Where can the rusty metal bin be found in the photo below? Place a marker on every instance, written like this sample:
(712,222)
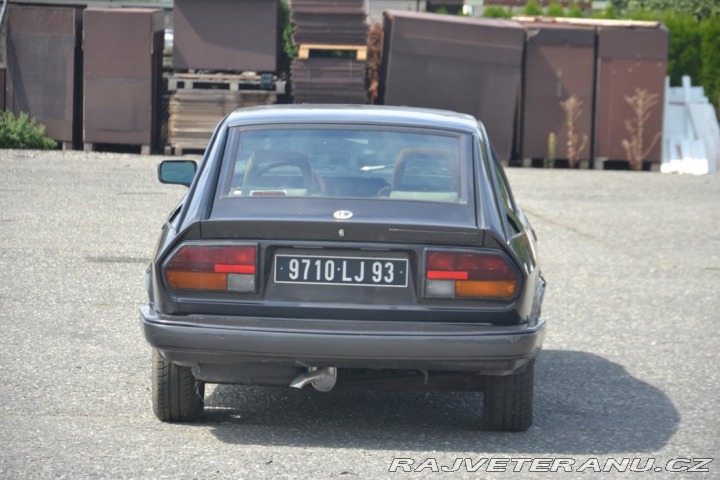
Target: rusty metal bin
(122,74)
(469,65)
(629,59)
(44,62)
(227,35)
(559,64)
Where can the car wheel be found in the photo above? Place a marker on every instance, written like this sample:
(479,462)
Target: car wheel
(509,401)
(177,396)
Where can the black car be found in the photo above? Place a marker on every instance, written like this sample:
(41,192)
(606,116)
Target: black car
(345,246)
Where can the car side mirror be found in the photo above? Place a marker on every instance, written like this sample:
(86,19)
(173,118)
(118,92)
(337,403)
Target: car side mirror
(177,172)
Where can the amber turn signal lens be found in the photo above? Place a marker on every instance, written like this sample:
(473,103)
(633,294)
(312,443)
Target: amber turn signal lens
(197,280)
(499,289)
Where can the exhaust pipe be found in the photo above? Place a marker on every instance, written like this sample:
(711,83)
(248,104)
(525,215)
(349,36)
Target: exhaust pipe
(323,379)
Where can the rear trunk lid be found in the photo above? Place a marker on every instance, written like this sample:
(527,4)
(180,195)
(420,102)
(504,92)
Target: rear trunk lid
(371,221)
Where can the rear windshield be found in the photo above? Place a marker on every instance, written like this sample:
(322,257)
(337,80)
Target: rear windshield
(358,162)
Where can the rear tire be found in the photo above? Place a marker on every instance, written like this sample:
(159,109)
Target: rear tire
(177,396)
(509,401)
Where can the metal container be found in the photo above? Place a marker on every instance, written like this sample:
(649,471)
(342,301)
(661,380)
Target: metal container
(629,59)
(122,75)
(469,65)
(559,64)
(44,62)
(227,35)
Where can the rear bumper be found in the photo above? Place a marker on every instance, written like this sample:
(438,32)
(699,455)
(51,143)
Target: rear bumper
(196,340)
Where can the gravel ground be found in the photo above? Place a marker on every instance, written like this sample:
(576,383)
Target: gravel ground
(630,367)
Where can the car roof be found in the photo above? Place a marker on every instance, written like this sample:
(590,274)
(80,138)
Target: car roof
(372,114)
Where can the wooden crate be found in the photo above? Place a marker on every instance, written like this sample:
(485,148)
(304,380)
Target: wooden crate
(194,114)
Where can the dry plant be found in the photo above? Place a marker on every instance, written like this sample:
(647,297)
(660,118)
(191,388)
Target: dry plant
(641,103)
(550,160)
(375,46)
(572,108)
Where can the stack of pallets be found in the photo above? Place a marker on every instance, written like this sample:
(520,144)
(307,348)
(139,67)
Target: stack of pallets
(199,101)
(332,56)
(225,56)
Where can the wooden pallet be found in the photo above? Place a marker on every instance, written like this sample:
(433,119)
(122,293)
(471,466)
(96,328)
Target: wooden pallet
(583,164)
(194,114)
(360,50)
(219,81)
(586,164)
(91,147)
(600,164)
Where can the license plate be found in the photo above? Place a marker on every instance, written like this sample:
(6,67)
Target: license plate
(377,272)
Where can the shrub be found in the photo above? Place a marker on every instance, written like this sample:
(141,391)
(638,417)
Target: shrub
(710,69)
(290,50)
(685,43)
(552,141)
(494,11)
(554,9)
(575,11)
(23,132)
(532,8)
(643,15)
(608,13)
(697,8)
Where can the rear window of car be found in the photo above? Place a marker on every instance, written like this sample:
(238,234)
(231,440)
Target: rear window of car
(346,162)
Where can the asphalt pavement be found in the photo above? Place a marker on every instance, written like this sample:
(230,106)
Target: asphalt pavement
(629,370)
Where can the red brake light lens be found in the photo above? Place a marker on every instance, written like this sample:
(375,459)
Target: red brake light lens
(469,275)
(202,267)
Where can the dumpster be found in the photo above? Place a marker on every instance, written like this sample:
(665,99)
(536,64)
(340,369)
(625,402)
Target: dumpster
(631,60)
(559,64)
(469,65)
(44,61)
(122,76)
(226,35)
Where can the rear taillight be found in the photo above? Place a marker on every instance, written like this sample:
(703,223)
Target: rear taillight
(224,268)
(468,275)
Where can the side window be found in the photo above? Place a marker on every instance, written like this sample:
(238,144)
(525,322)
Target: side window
(507,203)
(504,190)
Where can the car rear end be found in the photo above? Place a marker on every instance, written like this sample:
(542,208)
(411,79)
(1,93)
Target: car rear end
(340,253)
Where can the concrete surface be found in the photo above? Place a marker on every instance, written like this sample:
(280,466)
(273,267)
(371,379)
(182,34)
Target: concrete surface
(630,368)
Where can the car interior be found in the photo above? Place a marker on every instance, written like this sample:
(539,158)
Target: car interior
(391,170)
